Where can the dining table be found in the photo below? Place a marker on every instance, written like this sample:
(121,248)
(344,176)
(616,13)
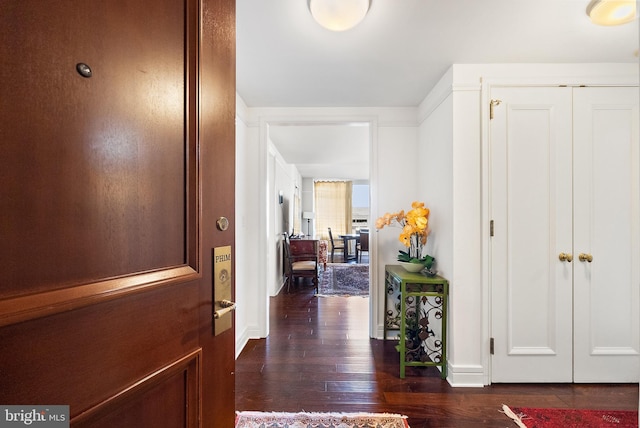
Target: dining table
(350,239)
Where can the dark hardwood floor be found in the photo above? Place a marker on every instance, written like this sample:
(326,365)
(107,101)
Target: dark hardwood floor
(319,358)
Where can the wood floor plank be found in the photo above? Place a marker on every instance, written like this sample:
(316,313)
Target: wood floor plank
(318,357)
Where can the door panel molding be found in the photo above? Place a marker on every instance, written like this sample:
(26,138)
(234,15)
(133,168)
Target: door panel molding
(529,350)
(24,308)
(185,371)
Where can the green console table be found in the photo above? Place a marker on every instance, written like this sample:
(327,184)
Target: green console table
(416,305)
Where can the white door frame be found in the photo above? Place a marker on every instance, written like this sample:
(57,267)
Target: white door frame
(263,244)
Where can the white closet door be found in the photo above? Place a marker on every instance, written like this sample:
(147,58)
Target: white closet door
(606,227)
(531,204)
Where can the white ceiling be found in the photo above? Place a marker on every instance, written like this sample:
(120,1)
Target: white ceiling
(398,53)
(325,151)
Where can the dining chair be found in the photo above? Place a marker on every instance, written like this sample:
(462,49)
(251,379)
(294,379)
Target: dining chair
(335,247)
(363,244)
(301,260)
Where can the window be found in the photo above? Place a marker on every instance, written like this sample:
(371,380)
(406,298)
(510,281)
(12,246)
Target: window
(333,207)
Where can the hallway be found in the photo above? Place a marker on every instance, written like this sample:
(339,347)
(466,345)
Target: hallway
(318,358)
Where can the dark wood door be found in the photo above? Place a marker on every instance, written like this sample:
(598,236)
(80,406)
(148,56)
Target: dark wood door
(111,182)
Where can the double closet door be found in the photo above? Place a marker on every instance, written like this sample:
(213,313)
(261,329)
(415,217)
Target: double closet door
(565,250)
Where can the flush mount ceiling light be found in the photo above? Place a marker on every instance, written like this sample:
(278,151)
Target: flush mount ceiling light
(339,15)
(611,12)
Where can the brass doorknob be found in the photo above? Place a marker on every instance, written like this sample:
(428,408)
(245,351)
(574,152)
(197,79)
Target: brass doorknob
(564,257)
(585,257)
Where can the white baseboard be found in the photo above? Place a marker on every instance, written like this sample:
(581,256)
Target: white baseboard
(241,341)
(243,337)
(466,376)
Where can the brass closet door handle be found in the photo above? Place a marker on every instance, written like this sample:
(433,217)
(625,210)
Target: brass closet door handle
(585,257)
(564,257)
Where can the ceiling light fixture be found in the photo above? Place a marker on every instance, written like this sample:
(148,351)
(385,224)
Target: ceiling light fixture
(339,15)
(611,12)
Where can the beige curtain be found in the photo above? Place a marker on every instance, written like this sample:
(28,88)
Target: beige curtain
(333,203)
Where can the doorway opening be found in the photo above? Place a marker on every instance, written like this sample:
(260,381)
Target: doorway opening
(293,153)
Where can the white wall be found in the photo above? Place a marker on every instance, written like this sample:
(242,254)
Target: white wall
(247,193)
(436,189)
(394,188)
(450,137)
(285,180)
(307,205)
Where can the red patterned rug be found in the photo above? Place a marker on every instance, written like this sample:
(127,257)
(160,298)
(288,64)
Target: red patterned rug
(319,420)
(525,417)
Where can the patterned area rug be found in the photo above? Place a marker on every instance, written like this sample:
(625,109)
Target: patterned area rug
(343,279)
(525,417)
(319,420)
